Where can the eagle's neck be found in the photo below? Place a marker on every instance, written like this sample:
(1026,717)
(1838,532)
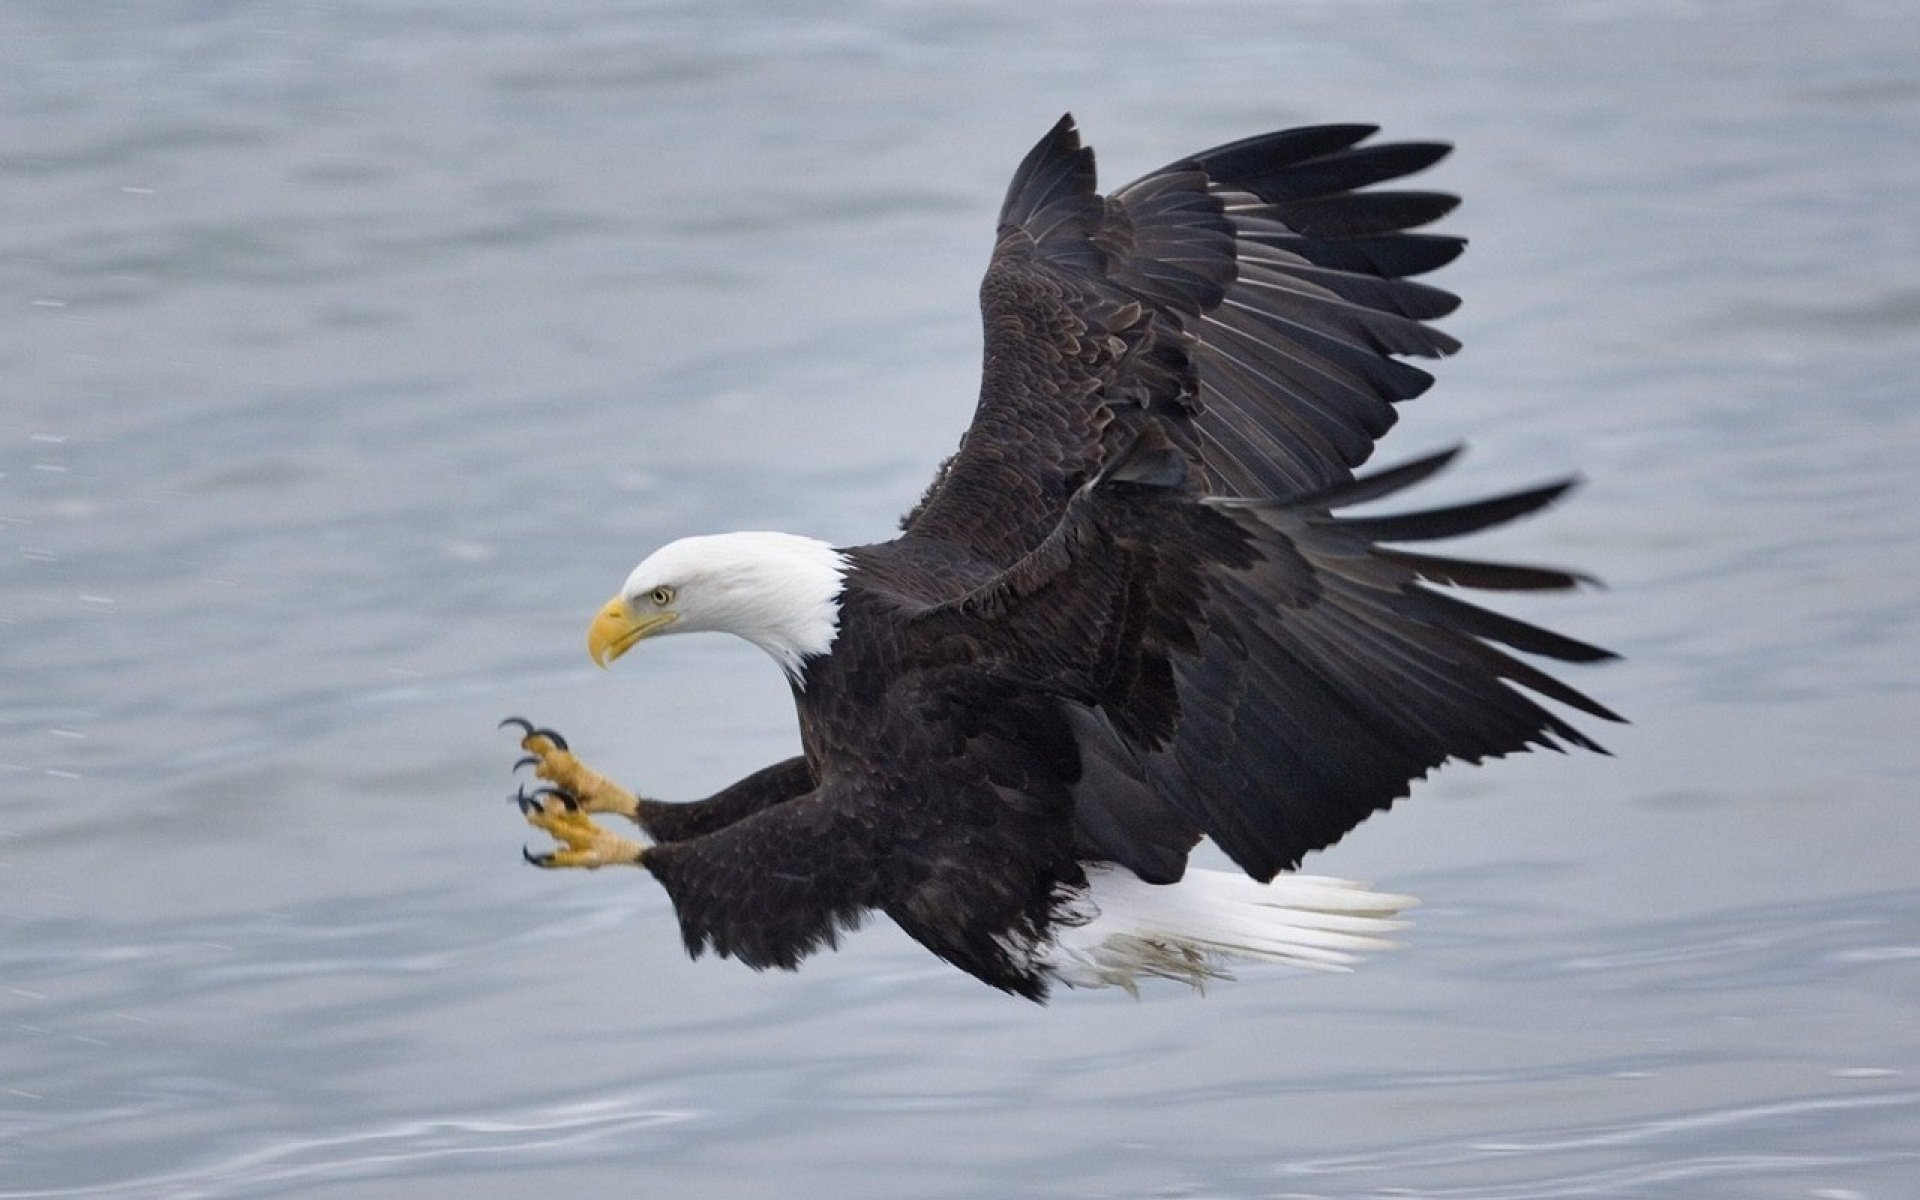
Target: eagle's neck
(787,596)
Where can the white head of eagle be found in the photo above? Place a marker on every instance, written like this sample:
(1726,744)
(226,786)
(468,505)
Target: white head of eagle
(776,590)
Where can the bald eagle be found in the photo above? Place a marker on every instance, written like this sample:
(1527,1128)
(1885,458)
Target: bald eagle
(1130,612)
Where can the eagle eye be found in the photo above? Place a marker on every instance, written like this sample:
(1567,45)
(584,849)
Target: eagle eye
(661,596)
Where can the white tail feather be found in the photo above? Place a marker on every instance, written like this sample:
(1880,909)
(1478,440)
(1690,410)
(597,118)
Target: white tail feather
(1190,930)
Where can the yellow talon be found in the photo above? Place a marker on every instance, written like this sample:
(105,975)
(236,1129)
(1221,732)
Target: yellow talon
(586,844)
(594,792)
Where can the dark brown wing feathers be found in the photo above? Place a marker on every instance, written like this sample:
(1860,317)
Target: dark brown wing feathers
(1279,672)
(1279,669)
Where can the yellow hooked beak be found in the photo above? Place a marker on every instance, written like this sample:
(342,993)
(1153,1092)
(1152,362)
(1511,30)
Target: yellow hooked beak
(616,630)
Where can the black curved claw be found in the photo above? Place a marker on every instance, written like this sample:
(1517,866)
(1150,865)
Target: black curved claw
(529,729)
(529,761)
(527,803)
(543,861)
(565,798)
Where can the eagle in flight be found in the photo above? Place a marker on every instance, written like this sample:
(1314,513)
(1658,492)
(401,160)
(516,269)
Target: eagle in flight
(1130,612)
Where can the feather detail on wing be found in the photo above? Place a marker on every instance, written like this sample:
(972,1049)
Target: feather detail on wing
(1251,297)
(1278,671)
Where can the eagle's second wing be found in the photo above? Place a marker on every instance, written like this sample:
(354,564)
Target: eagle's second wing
(1279,671)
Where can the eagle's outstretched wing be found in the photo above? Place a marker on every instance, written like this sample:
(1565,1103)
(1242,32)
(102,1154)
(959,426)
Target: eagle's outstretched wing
(1252,297)
(1217,347)
(1278,671)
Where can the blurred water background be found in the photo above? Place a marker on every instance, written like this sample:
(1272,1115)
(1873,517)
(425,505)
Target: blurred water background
(351,353)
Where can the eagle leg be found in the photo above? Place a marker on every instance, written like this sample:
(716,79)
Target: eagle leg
(584,843)
(552,760)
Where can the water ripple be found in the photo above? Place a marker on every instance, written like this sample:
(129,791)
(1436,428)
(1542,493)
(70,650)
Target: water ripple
(1688,1160)
(556,1132)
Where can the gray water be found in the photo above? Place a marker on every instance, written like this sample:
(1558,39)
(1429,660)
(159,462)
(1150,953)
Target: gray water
(352,353)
